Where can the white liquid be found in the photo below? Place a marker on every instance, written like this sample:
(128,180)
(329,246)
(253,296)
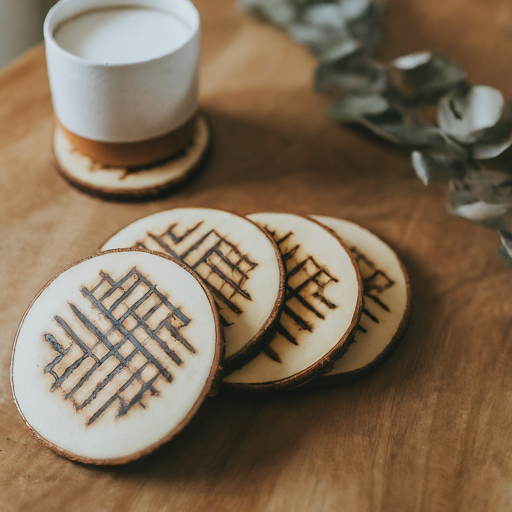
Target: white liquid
(122,35)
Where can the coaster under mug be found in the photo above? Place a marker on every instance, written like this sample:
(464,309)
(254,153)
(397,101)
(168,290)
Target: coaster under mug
(124,183)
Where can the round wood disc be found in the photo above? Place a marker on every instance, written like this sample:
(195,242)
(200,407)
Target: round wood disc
(387,302)
(321,312)
(115,355)
(238,261)
(131,183)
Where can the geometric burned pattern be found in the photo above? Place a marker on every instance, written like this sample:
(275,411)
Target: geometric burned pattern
(123,352)
(305,293)
(375,282)
(219,262)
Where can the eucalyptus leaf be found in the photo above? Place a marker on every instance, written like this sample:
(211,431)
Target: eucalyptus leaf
(461,196)
(405,134)
(301,4)
(367,10)
(317,39)
(350,74)
(352,107)
(440,164)
(340,51)
(426,74)
(481,211)
(325,15)
(355,9)
(466,115)
(369,37)
(503,223)
(492,187)
(505,254)
(279,12)
(506,248)
(486,151)
(494,141)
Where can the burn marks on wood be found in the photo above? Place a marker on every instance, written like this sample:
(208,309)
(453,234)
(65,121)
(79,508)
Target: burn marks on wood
(375,283)
(305,301)
(218,261)
(120,352)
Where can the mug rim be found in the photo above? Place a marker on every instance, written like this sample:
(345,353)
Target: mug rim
(50,27)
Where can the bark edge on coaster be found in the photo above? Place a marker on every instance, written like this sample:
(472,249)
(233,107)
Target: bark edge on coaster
(387,299)
(322,310)
(80,349)
(133,183)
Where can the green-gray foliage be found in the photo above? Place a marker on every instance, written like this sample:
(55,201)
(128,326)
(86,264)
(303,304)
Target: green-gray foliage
(474,123)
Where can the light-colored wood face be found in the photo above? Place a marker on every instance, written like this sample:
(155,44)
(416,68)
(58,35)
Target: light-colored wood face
(323,298)
(114,355)
(236,259)
(94,177)
(386,296)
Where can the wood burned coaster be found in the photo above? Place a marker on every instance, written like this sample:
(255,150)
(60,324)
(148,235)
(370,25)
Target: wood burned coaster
(321,312)
(239,262)
(115,356)
(131,183)
(387,302)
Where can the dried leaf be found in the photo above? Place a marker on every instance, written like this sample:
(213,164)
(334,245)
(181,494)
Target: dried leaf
(405,134)
(481,211)
(503,252)
(467,115)
(492,187)
(426,75)
(483,151)
(350,74)
(317,39)
(376,113)
(461,194)
(325,15)
(503,223)
(440,164)
(340,51)
(506,248)
(369,10)
(370,37)
(494,141)
(351,108)
(279,12)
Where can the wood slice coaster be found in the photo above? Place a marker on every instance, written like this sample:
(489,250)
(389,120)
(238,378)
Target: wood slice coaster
(239,262)
(131,183)
(387,302)
(115,355)
(321,312)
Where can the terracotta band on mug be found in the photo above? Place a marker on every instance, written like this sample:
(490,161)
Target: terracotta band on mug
(135,154)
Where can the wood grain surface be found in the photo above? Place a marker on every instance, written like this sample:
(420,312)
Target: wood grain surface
(430,430)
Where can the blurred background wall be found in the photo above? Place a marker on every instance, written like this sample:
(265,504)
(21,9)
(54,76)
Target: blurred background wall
(21,26)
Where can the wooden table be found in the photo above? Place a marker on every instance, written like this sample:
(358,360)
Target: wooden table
(430,430)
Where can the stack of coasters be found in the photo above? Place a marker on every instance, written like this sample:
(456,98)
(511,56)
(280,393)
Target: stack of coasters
(381,319)
(117,353)
(239,262)
(322,309)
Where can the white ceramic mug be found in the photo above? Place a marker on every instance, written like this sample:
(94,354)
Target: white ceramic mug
(127,103)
